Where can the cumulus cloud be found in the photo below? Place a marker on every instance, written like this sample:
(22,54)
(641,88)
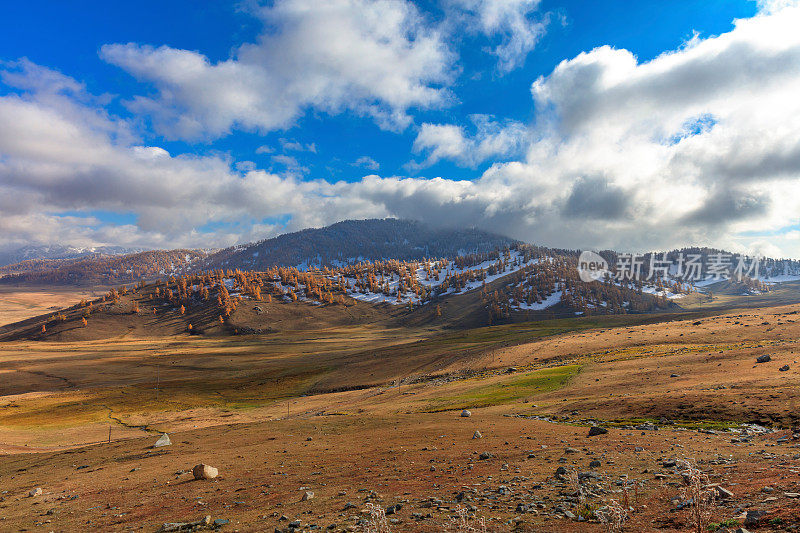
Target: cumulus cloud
(377,58)
(699,146)
(491,140)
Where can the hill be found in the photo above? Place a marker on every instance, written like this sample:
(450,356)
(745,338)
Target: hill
(60,251)
(339,244)
(99,269)
(358,240)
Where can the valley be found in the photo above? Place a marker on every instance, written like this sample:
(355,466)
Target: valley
(279,414)
(492,390)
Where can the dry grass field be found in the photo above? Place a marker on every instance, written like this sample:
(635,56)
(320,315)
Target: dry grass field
(19,303)
(370,413)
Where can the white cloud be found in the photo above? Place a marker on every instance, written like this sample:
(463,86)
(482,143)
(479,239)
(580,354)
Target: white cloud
(367,162)
(265,149)
(295,146)
(698,146)
(492,140)
(511,24)
(373,57)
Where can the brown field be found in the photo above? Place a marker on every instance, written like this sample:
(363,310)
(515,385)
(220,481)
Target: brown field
(364,412)
(19,303)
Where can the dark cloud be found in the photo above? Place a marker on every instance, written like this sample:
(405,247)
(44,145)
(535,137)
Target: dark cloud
(595,198)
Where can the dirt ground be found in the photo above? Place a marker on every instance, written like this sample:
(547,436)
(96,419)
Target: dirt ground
(427,463)
(362,415)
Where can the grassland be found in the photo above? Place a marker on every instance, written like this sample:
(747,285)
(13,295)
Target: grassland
(19,303)
(381,403)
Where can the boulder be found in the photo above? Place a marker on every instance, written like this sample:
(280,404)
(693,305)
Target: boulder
(753,517)
(763,359)
(477,435)
(597,430)
(203,471)
(466,414)
(163,440)
(35,492)
(307,495)
(784,368)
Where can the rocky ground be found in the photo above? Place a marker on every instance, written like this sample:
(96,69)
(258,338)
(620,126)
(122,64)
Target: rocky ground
(421,470)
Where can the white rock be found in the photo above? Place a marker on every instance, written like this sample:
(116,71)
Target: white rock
(35,492)
(203,471)
(466,413)
(163,440)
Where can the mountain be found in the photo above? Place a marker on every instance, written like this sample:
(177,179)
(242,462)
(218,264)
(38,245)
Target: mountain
(356,240)
(60,251)
(339,244)
(98,269)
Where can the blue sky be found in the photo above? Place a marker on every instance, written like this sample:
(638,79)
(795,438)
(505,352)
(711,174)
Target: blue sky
(242,119)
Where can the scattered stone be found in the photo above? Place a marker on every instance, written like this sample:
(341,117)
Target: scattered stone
(674,375)
(477,435)
(768,490)
(307,495)
(763,359)
(792,494)
(485,455)
(186,526)
(723,493)
(571,450)
(203,471)
(784,368)
(597,430)
(595,464)
(466,414)
(35,492)
(163,440)
(392,509)
(752,518)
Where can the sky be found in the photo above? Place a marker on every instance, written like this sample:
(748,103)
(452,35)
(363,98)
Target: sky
(635,126)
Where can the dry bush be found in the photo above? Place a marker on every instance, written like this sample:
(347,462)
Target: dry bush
(377,520)
(613,516)
(463,523)
(696,490)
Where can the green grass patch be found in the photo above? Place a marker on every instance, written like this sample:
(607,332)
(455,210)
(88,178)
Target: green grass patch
(688,424)
(514,389)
